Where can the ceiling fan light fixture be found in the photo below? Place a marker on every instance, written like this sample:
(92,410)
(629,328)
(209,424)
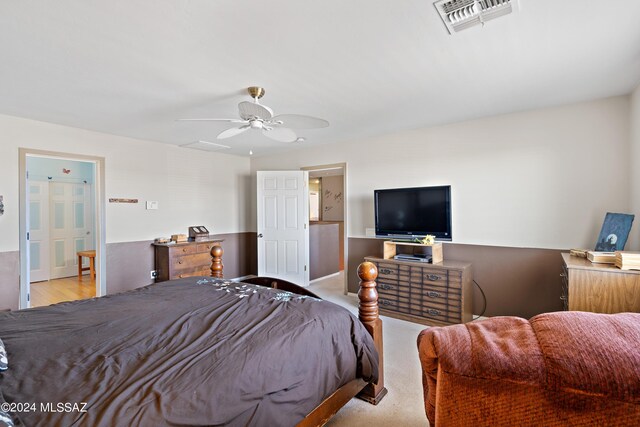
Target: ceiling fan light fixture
(257,116)
(256,92)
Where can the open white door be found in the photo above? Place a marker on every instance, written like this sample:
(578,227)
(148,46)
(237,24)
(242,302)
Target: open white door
(283,225)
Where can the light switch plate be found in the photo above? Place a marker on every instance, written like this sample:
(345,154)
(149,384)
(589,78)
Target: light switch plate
(152,205)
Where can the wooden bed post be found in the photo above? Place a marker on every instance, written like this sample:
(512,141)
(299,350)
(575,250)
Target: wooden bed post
(368,314)
(216,261)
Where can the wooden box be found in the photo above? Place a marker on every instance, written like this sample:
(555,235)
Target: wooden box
(198,233)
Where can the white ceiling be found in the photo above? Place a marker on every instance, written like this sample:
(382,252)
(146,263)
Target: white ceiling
(131,67)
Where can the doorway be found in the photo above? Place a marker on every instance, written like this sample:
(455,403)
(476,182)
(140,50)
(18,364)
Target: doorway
(328,218)
(61,217)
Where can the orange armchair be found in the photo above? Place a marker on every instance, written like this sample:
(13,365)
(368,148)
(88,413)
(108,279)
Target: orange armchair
(557,369)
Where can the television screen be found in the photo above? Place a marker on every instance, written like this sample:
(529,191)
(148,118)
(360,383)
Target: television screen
(414,212)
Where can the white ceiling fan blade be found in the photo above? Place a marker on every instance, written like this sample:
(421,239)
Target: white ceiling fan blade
(213,120)
(298,121)
(249,110)
(280,134)
(233,131)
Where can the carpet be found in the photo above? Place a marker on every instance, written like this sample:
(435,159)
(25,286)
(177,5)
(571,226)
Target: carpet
(404,404)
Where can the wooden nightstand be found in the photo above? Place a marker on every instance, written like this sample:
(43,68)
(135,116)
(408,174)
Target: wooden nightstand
(599,288)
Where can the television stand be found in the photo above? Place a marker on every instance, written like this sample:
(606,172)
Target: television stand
(437,293)
(434,251)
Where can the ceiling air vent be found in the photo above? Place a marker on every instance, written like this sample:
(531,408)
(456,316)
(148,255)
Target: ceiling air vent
(459,15)
(206,146)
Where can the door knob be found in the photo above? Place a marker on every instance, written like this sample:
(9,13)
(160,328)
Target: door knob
(259,235)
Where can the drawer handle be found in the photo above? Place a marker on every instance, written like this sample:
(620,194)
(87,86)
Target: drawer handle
(386,302)
(385,271)
(564,298)
(433,312)
(179,262)
(180,276)
(433,294)
(184,249)
(432,277)
(385,286)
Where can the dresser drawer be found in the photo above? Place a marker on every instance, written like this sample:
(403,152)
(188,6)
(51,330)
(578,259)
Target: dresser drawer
(204,247)
(190,273)
(437,278)
(402,306)
(387,286)
(393,274)
(438,296)
(441,314)
(183,250)
(191,261)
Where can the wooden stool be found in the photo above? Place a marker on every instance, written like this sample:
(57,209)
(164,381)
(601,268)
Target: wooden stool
(92,263)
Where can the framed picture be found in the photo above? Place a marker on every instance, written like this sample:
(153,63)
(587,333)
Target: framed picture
(615,232)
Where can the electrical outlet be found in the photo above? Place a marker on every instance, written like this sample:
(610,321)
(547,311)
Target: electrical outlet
(154,274)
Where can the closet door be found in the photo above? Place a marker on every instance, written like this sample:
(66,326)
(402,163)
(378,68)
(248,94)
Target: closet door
(39,230)
(70,226)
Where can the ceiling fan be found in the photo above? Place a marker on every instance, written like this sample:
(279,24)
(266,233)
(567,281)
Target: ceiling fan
(254,115)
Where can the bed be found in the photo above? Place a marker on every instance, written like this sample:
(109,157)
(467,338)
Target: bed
(194,351)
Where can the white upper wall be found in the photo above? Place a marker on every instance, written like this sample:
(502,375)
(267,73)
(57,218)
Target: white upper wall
(542,178)
(192,187)
(634,241)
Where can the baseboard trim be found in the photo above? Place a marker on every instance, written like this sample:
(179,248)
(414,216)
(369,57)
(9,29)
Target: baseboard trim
(324,277)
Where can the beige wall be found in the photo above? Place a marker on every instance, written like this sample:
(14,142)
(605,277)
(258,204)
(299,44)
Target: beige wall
(192,188)
(634,241)
(542,178)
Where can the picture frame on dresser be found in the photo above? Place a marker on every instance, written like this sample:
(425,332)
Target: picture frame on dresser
(615,232)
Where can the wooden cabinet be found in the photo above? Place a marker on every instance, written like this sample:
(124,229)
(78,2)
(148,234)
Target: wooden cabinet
(431,294)
(599,288)
(179,260)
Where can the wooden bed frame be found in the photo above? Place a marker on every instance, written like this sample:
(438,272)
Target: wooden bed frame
(368,315)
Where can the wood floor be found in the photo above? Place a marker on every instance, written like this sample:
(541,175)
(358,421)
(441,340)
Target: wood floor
(59,290)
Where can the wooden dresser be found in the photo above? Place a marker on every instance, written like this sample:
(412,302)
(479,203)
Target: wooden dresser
(599,288)
(179,260)
(431,294)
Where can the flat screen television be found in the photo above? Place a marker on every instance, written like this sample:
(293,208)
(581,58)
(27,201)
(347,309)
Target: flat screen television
(406,213)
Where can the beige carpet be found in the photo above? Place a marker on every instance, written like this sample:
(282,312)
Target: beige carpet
(403,405)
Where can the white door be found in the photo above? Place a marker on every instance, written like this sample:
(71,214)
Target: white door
(70,226)
(283,230)
(38,199)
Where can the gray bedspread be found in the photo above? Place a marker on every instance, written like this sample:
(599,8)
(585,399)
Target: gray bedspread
(195,351)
